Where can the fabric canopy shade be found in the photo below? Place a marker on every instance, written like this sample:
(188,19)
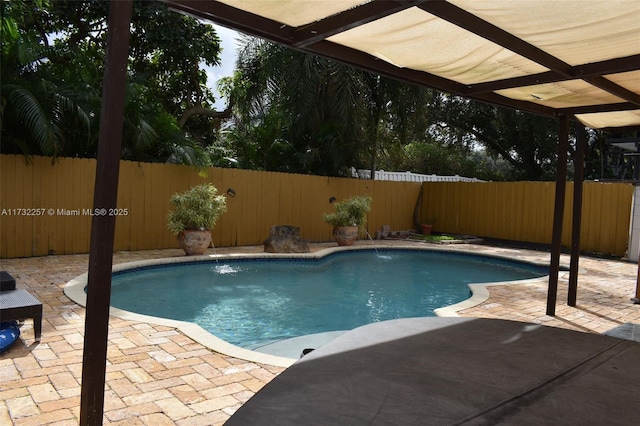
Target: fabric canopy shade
(571,57)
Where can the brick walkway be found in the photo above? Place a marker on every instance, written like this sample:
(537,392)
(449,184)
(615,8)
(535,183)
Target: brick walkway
(158,376)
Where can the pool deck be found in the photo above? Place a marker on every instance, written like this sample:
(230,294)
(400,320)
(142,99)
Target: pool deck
(157,375)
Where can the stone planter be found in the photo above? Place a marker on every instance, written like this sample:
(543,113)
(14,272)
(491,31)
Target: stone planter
(345,235)
(194,242)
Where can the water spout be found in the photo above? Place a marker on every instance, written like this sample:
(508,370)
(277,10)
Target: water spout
(372,243)
(376,248)
(214,251)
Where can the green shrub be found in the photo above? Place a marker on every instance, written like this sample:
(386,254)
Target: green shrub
(198,208)
(349,212)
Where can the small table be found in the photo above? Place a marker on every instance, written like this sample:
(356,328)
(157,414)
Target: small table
(20,304)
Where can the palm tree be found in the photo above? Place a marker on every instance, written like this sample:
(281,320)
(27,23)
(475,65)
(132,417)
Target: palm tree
(293,110)
(34,111)
(317,115)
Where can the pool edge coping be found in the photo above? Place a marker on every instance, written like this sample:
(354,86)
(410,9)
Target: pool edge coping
(74,290)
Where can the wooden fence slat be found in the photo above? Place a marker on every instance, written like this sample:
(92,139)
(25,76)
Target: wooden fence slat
(224,232)
(19,224)
(83,198)
(148,238)
(137,206)
(39,227)
(66,189)
(621,211)
(123,222)
(50,195)
(8,194)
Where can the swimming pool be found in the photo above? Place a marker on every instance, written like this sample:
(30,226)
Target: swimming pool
(254,302)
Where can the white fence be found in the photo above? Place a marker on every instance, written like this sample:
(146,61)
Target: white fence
(410,177)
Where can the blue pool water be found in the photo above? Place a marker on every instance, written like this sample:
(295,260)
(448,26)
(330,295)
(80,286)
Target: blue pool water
(254,302)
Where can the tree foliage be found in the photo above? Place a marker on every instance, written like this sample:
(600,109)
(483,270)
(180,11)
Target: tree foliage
(527,142)
(301,113)
(297,112)
(52,68)
(292,112)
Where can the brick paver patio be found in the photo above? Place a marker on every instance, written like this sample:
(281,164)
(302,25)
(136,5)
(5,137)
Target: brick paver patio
(158,376)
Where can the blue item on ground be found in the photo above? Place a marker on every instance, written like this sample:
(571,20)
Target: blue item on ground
(9,333)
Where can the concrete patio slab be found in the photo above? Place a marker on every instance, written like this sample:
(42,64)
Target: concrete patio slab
(430,371)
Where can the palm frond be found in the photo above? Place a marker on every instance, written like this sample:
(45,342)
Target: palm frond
(191,155)
(30,113)
(145,136)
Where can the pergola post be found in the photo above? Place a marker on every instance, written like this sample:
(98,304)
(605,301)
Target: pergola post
(558,214)
(103,224)
(636,300)
(576,223)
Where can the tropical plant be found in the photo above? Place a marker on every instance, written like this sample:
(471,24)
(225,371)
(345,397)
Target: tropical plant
(296,112)
(37,116)
(330,117)
(350,212)
(52,71)
(198,208)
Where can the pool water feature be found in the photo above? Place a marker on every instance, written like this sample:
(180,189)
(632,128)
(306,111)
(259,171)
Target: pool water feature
(254,302)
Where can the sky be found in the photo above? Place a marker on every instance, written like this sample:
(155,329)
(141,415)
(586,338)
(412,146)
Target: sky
(228,62)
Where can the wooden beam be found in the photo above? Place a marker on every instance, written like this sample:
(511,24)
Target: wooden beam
(576,223)
(362,60)
(595,108)
(558,214)
(609,66)
(596,69)
(351,18)
(312,38)
(488,31)
(615,89)
(236,19)
(96,327)
(636,299)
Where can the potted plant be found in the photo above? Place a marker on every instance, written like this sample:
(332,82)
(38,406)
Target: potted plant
(426,227)
(348,219)
(194,215)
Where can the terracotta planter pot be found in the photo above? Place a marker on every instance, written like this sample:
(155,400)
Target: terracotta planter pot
(345,235)
(194,242)
(425,229)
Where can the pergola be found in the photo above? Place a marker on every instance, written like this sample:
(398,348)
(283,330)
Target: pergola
(575,60)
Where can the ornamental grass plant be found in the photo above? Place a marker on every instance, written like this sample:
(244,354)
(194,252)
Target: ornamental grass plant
(350,212)
(198,208)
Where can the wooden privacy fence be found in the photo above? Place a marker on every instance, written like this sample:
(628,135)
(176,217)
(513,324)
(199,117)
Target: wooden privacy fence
(47,206)
(523,211)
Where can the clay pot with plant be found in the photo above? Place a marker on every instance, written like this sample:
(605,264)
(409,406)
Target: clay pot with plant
(348,219)
(195,213)
(426,227)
